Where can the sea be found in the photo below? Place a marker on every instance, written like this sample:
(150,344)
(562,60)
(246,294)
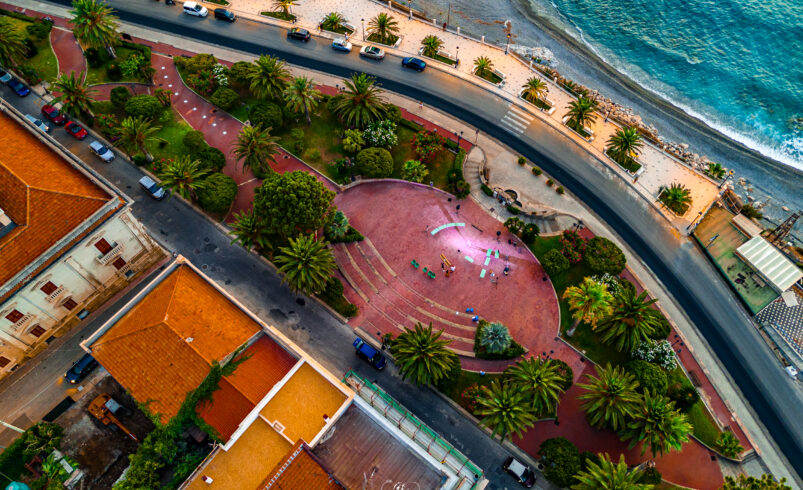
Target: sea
(737,65)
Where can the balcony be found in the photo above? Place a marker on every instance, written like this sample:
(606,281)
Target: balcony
(112,254)
(23,322)
(55,295)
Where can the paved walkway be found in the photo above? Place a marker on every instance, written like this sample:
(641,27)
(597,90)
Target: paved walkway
(68,52)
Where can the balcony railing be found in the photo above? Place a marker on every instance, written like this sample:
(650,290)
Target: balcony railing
(109,256)
(55,295)
(23,322)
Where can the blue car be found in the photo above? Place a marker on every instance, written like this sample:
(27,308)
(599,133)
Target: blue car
(80,369)
(341,44)
(414,63)
(369,354)
(18,87)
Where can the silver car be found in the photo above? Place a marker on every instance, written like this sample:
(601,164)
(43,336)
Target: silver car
(103,152)
(5,76)
(38,123)
(372,52)
(155,190)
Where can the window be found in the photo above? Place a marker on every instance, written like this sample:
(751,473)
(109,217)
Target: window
(103,246)
(37,331)
(4,362)
(69,304)
(119,263)
(14,316)
(48,288)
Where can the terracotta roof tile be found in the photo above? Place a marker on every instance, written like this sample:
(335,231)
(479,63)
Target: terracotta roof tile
(227,408)
(268,364)
(300,469)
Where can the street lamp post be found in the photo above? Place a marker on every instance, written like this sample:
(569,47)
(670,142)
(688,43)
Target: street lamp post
(730,174)
(363,29)
(409,9)
(507,46)
(459,136)
(457,56)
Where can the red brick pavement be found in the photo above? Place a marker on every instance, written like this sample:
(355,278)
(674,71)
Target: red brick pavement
(68,52)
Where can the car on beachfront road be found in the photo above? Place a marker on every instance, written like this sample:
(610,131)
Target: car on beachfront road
(152,188)
(414,63)
(369,354)
(5,76)
(298,33)
(18,87)
(76,130)
(223,14)
(372,52)
(341,44)
(520,471)
(38,123)
(53,115)
(102,151)
(196,9)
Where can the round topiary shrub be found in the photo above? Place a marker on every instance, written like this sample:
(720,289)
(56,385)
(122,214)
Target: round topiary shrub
(604,257)
(495,337)
(561,461)
(461,189)
(119,96)
(194,140)
(146,106)
(554,262)
(662,329)
(139,160)
(239,72)
(374,163)
(537,171)
(211,158)
(225,98)
(267,115)
(649,376)
(218,194)
(529,232)
(521,160)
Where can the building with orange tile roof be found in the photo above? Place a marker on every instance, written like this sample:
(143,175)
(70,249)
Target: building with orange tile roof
(300,469)
(68,240)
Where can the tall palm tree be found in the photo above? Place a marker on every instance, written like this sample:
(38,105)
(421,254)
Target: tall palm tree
(307,264)
(249,231)
(12,43)
(269,77)
(504,409)
(608,475)
(333,21)
(184,175)
(534,90)
(716,170)
(361,103)
(302,96)
(76,96)
(624,144)
(283,6)
(657,424)
(631,321)
(610,398)
(422,356)
(136,134)
(432,44)
(384,26)
(95,24)
(541,380)
(483,66)
(581,113)
(256,147)
(676,197)
(590,301)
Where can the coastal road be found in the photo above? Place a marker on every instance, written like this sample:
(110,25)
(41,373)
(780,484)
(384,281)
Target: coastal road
(683,270)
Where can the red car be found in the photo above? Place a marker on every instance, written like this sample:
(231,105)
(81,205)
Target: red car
(76,130)
(54,115)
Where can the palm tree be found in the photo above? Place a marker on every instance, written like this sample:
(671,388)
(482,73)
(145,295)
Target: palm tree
(384,26)
(483,66)
(361,103)
(333,21)
(541,380)
(609,475)
(269,77)
(581,113)
(611,397)
(307,264)
(590,301)
(255,147)
(534,90)
(432,44)
(631,321)
(422,356)
(657,424)
(283,6)
(415,171)
(76,97)
(302,96)
(716,170)
(137,133)
(94,24)
(184,176)
(12,43)
(624,144)
(249,231)
(676,197)
(504,409)
(339,225)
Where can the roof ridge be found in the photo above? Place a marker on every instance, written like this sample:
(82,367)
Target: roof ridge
(132,332)
(62,193)
(13,173)
(165,320)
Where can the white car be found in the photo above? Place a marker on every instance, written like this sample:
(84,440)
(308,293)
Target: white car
(38,123)
(103,152)
(372,52)
(5,76)
(341,44)
(193,8)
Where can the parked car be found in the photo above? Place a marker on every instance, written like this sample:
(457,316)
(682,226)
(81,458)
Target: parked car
(223,14)
(38,123)
(151,187)
(369,354)
(103,152)
(5,76)
(18,87)
(372,52)
(522,472)
(53,115)
(341,44)
(193,8)
(80,369)
(414,63)
(76,130)
(298,33)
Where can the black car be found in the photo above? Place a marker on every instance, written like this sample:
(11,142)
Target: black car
(297,33)
(223,14)
(80,369)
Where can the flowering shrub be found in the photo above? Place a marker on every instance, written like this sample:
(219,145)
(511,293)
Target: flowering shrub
(202,82)
(381,134)
(427,144)
(573,246)
(659,353)
(470,395)
(160,164)
(613,283)
(220,73)
(131,65)
(107,124)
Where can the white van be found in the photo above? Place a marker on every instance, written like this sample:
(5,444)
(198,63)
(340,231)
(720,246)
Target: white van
(192,8)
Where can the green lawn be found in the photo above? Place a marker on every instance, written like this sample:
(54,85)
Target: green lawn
(390,41)
(45,63)
(173,130)
(540,104)
(440,58)
(438,167)
(278,15)
(99,75)
(491,77)
(243,107)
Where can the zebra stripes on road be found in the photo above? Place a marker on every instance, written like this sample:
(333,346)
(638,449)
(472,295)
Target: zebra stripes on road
(516,120)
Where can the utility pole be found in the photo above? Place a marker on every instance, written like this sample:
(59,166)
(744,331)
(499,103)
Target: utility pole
(449,15)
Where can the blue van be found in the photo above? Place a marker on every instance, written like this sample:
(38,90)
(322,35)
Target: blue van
(369,354)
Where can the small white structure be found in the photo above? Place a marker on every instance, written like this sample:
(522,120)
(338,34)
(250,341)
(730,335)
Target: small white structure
(770,263)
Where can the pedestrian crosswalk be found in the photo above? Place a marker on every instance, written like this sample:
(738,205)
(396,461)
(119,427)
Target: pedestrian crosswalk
(516,120)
